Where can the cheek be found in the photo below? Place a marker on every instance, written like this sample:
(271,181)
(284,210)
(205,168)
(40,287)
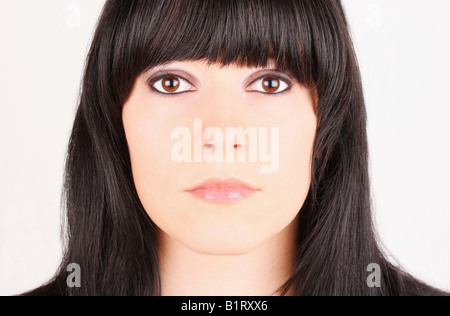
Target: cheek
(296,148)
(149,148)
(149,145)
(289,186)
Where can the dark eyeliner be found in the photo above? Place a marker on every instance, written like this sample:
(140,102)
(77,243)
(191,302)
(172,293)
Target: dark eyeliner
(153,80)
(277,76)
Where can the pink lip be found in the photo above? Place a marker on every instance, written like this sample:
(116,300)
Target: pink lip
(222,191)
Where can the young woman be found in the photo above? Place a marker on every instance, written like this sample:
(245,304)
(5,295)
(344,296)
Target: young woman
(148,213)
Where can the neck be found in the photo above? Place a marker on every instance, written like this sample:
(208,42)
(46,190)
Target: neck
(260,272)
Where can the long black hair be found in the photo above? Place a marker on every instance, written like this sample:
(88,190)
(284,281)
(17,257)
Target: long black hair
(108,232)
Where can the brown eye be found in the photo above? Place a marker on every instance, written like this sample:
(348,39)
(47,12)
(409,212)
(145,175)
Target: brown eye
(170,83)
(271,85)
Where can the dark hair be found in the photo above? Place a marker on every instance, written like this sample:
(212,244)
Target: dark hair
(110,235)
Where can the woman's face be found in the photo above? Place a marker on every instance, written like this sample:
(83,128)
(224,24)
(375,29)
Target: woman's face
(176,121)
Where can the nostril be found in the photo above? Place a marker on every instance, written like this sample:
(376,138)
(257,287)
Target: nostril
(209,146)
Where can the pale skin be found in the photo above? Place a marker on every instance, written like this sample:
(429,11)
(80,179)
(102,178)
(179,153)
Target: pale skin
(243,248)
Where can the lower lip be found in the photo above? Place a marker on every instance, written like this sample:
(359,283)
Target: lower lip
(222,195)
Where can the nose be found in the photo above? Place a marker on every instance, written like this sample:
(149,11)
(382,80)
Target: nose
(220,109)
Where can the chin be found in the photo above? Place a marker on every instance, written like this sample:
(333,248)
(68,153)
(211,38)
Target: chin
(223,243)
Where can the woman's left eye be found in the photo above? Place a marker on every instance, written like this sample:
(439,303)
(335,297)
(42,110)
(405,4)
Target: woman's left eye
(270,85)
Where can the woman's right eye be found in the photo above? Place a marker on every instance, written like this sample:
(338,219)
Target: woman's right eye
(170,84)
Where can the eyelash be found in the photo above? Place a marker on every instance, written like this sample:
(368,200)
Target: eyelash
(152,81)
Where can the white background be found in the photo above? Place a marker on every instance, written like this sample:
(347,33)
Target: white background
(403,50)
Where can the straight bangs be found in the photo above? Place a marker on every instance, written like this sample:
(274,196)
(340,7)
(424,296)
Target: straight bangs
(240,32)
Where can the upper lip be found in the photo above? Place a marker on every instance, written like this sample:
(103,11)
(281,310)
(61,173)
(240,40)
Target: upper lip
(217,183)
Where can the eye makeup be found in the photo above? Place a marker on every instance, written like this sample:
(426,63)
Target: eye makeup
(160,75)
